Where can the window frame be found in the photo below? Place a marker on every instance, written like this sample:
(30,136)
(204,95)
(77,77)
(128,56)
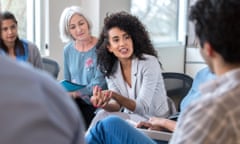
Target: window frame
(40,24)
(37,18)
(181,33)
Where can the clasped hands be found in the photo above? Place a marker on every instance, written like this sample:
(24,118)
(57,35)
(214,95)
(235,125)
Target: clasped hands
(100,97)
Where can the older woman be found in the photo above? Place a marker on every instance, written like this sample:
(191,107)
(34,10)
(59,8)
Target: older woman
(80,60)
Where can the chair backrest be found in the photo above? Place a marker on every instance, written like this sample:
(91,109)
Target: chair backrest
(177,86)
(51,66)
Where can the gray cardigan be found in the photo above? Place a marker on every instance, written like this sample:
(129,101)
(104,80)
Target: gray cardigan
(34,56)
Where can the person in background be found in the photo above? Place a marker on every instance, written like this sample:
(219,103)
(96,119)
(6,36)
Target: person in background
(201,77)
(13,46)
(214,117)
(35,109)
(127,58)
(80,59)
(118,128)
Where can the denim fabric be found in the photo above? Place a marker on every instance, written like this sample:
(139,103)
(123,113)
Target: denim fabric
(114,130)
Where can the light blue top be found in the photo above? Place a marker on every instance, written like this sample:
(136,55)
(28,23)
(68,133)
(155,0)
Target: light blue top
(201,77)
(2,53)
(81,68)
(31,54)
(26,55)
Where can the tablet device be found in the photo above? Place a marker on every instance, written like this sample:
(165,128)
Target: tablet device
(70,86)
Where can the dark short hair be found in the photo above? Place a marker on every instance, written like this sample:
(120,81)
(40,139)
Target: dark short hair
(218,22)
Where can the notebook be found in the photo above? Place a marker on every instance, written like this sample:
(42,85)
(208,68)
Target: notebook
(70,86)
(154,134)
(157,135)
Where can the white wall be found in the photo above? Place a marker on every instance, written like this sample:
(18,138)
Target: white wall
(172,58)
(92,11)
(97,10)
(194,61)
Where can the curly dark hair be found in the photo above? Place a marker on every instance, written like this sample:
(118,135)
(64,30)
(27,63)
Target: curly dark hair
(133,27)
(217,22)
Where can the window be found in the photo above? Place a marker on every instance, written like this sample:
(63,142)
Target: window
(164,20)
(31,20)
(18,8)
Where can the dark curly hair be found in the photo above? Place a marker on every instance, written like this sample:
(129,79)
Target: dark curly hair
(133,27)
(218,22)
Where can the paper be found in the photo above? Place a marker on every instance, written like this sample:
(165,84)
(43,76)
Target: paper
(157,135)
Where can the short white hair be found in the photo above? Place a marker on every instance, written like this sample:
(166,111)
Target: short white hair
(65,19)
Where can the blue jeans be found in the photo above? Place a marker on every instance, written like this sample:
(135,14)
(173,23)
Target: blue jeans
(113,130)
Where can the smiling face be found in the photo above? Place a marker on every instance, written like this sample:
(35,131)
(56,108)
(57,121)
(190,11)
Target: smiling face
(9,31)
(120,43)
(78,27)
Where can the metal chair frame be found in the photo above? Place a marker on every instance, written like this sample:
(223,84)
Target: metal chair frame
(177,86)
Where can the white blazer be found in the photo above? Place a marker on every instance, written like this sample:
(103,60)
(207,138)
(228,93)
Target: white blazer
(147,87)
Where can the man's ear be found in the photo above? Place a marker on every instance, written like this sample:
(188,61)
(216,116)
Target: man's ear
(208,49)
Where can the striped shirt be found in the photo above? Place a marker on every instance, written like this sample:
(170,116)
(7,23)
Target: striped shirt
(215,117)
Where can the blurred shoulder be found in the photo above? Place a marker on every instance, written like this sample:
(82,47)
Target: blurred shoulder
(31,46)
(22,71)
(150,59)
(68,47)
(205,74)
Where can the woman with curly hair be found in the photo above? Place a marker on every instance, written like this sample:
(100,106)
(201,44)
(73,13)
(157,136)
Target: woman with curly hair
(127,58)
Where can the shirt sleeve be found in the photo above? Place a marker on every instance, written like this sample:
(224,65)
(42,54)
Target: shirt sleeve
(152,87)
(199,124)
